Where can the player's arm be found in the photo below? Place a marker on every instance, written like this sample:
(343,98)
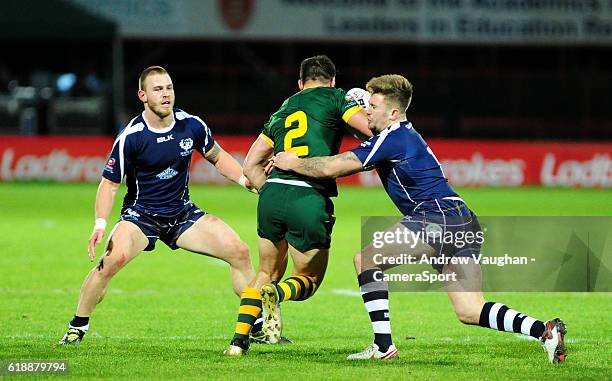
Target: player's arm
(227,165)
(256,161)
(325,167)
(358,122)
(105,198)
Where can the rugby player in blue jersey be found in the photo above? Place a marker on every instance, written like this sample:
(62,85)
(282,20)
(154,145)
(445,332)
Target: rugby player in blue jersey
(153,154)
(415,182)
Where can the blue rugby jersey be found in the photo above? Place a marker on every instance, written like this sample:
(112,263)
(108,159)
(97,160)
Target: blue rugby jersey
(156,163)
(408,169)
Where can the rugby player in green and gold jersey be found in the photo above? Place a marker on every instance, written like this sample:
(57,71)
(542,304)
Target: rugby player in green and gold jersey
(295,212)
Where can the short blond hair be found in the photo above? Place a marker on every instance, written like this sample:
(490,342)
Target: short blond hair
(147,72)
(394,87)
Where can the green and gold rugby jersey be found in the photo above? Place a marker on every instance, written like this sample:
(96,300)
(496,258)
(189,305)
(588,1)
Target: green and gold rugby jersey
(310,123)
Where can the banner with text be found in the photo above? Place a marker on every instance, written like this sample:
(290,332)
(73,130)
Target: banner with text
(465,162)
(454,21)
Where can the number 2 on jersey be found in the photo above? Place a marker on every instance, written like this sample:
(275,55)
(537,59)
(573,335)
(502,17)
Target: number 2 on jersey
(302,121)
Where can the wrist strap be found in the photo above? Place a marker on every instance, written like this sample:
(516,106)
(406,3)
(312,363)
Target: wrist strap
(242,181)
(100,224)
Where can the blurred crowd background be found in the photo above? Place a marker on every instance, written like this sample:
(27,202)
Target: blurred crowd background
(495,69)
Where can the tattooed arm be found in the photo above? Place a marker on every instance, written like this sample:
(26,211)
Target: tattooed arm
(326,167)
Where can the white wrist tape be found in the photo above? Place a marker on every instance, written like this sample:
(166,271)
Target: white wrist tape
(100,224)
(242,181)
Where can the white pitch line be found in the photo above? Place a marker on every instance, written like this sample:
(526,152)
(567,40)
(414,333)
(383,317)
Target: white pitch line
(342,291)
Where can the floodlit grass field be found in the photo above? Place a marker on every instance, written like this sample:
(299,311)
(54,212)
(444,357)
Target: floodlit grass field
(171,314)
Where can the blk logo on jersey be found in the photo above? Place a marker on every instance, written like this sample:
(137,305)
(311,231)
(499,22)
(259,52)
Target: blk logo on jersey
(366,143)
(187,145)
(166,138)
(166,174)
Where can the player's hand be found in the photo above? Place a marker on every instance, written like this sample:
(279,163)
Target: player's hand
(250,187)
(244,182)
(269,166)
(286,160)
(95,239)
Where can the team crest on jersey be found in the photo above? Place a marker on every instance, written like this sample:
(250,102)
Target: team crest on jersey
(110,165)
(187,145)
(166,174)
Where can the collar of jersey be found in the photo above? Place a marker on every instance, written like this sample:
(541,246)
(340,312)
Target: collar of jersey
(397,125)
(162,130)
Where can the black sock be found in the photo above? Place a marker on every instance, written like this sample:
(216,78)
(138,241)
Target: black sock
(79,321)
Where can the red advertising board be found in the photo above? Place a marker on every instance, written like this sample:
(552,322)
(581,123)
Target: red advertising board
(465,162)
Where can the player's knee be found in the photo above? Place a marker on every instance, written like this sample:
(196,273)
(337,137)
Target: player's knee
(112,262)
(240,254)
(242,251)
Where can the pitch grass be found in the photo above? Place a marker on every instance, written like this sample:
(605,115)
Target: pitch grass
(170,314)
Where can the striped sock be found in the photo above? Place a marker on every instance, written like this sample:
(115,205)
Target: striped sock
(297,287)
(250,309)
(499,316)
(375,295)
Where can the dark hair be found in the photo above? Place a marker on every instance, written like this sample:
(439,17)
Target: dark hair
(394,87)
(148,71)
(317,68)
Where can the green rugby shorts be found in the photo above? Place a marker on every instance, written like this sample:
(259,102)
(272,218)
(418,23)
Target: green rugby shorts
(301,215)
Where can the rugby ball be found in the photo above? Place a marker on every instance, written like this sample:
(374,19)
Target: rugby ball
(361,96)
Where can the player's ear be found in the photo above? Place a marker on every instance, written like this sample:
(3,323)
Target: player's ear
(394,114)
(142,96)
(300,84)
(333,82)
